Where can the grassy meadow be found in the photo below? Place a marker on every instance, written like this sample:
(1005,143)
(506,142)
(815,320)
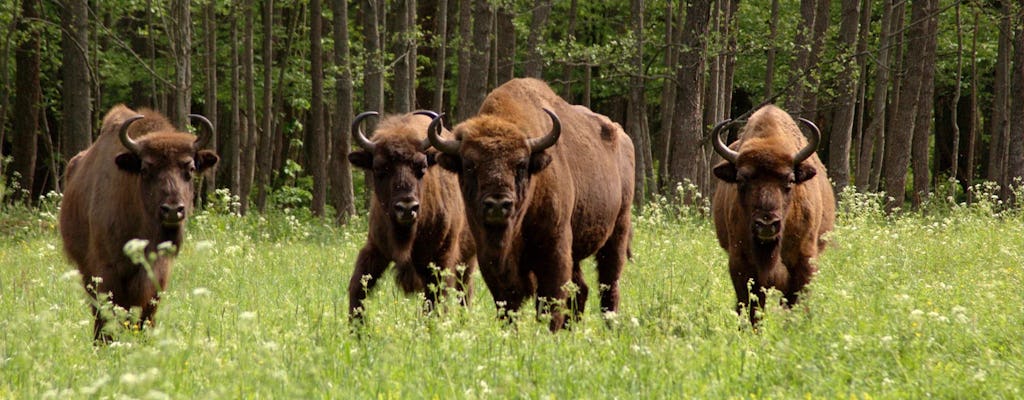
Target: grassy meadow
(929,304)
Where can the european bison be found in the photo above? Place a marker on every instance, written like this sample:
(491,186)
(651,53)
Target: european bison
(546,184)
(772,207)
(134,182)
(415,216)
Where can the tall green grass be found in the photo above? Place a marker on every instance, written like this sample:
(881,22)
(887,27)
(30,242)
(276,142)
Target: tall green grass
(928,304)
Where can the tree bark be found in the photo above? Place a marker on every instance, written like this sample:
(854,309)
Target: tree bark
(342,194)
(315,145)
(636,117)
(210,103)
(687,162)
(476,90)
(400,46)
(898,139)
(925,110)
(76,129)
(570,36)
(27,102)
(800,80)
(842,125)
(442,56)
(230,162)
(250,137)
(505,45)
(1015,156)
(180,33)
(534,65)
(773,32)
(462,107)
(876,126)
(1000,125)
(265,147)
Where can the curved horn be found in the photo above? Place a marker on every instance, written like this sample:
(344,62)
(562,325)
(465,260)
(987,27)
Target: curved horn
(728,154)
(128,143)
(425,144)
(434,135)
(541,143)
(812,143)
(357,131)
(205,138)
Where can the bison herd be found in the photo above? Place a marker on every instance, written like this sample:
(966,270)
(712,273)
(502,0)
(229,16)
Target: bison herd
(525,191)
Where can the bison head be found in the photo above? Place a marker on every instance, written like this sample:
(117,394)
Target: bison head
(494,160)
(166,163)
(397,164)
(765,171)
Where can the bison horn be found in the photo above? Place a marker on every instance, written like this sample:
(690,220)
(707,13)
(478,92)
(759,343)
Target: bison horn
(728,154)
(204,138)
(812,143)
(541,143)
(128,143)
(357,131)
(446,146)
(426,142)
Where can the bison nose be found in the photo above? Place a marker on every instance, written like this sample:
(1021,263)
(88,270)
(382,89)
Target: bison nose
(172,214)
(767,227)
(407,210)
(497,209)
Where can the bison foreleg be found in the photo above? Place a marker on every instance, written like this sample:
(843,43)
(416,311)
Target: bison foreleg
(551,293)
(370,264)
(745,283)
(577,293)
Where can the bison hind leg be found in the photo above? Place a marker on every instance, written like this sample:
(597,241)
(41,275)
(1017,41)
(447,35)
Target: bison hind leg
(577,293)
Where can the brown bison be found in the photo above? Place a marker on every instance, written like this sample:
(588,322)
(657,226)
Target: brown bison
(134,182)
(546,184)
(772,207)
(415,216)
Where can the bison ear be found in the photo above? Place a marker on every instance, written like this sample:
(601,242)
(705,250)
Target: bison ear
(726,171)
(449,162)
(539,161)
(206,159)
(361,159)
(129,162)
(803,172)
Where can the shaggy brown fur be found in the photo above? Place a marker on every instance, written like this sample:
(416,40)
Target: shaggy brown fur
(565,203)
(763,185)
(436,233)
(112,196)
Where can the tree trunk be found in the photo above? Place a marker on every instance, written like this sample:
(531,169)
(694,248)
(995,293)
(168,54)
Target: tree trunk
(534,63)
(570,35)
(972,132)
(315,145)
(1015,157)
(265,147)
(1000,125)
(925,109)
(400,48)
(230,163)
(462,107)
(476,91)
(898,139)
(636,117)
(876,126)
(800,81)
(250,137)
(773,31)
(956,100)
(342,196)
(505,45)
(180,34)
(442,56)
(27,102)
(673,36)
(842,125)
(687,162)
(862,88)
(76,129)
(210,103)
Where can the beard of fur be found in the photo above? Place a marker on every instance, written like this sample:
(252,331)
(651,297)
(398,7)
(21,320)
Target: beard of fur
(401,242)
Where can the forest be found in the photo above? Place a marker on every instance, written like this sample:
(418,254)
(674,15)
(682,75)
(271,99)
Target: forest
(914,98)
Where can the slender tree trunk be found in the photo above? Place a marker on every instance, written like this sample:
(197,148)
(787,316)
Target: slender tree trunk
(5,93)
(876,126)
(921,141)
(27,101)
(505,45)
(773,32)
(412,41)
(76,129)
(570,35)
(673,36)
(898,140)
(265,148)
(687,162)
(400,47)
(342,195)
(972,132)
(476,91)
(636,118)
(1015,157)
(180,32)
(810,94)
(210,109)
(1000,125)
(534,64)
(842,125)
(250,138)
(315,145)
(230,162)
(954,108)
(463,109)
(801,63)
(442,56)
(898,88)
(862,87)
